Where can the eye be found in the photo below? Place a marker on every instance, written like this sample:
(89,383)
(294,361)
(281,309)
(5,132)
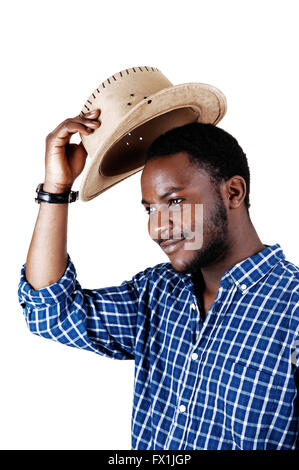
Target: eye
(176,199)
(149,211)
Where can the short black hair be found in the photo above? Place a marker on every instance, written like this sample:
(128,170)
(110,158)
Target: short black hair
(208,146)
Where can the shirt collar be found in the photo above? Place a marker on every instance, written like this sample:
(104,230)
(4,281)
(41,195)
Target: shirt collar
(250,270)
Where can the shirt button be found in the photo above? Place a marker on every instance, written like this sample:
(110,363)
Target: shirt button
(182,408)
(243,286)
(194,356)
(193,306)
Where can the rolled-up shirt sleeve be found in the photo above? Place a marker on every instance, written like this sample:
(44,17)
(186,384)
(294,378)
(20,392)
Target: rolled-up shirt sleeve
(99,320)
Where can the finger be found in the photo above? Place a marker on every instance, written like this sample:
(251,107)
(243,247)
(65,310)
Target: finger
(94,114)
(68,128)
(94,124)
(87,122)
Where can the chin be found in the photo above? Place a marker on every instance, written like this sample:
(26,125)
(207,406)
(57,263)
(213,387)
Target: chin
(181,262)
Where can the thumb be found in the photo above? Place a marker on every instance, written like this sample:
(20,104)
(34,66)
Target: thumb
(81,148)
(76,150)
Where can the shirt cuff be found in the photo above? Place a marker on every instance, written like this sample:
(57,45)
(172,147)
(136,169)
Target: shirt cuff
(51,294)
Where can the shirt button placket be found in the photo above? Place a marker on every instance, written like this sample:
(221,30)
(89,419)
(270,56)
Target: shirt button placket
(181,417)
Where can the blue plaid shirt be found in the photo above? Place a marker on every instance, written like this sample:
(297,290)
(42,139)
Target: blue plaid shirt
(228,382)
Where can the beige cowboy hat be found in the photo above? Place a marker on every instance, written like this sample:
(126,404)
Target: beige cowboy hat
(137,105)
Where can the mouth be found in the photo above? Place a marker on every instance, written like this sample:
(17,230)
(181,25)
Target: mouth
(169,246)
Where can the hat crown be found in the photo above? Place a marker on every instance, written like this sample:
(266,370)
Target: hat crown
(123,90)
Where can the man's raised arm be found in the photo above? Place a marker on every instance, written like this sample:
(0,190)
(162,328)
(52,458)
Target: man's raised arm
(47,254)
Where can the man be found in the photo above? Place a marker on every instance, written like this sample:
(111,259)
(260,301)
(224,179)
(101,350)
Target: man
(213,332)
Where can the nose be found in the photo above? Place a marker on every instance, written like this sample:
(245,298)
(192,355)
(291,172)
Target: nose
(163,223)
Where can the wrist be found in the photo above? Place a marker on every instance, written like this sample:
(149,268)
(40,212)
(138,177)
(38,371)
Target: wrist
(54,194)
(54,188)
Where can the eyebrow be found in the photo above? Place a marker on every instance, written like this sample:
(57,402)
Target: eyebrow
(171,190)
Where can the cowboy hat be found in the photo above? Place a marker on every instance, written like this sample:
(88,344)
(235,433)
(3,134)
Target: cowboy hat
(137,105)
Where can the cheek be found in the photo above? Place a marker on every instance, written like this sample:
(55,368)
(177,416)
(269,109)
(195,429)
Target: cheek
(193,219)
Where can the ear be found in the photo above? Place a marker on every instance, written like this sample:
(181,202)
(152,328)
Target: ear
(235,191)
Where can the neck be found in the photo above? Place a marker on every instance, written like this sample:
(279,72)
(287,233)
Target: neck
(243,243)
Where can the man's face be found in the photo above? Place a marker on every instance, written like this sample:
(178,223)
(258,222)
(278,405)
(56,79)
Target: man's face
(197,193)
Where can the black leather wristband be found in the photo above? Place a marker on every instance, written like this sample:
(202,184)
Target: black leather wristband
(53,198)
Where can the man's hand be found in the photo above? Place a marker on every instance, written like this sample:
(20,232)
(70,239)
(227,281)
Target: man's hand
(64,161)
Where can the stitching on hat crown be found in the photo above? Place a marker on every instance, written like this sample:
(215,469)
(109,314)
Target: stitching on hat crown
(108,81)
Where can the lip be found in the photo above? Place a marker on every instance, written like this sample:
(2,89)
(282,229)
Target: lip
(171,245)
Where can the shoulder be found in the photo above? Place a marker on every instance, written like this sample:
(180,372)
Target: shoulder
(290,268)
(289,273)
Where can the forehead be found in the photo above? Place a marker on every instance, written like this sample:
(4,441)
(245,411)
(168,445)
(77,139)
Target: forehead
(163,173)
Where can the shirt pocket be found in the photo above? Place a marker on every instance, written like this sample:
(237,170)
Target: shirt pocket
(250,402)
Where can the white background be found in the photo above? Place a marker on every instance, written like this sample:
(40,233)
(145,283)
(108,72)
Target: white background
(54,54)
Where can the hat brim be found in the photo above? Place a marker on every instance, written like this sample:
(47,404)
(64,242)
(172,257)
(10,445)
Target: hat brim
(122,153)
